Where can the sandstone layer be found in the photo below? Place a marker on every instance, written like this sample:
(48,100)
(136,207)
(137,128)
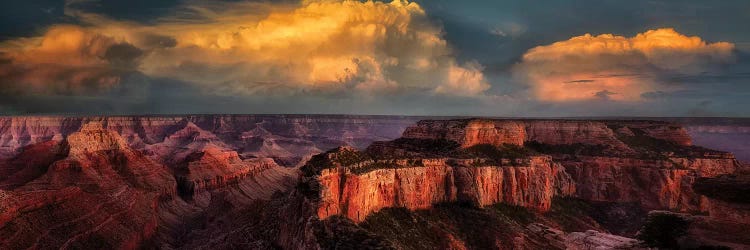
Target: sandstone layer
(649,163)
(239,181)
(422,183)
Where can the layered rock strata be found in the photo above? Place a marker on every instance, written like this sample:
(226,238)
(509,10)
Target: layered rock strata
(422,183)
(650,163)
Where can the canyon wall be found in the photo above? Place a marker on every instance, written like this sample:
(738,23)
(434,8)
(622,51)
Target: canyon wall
(647,162)
(93,187)
(288,138)
(356,195)
(172,182)
(469,132)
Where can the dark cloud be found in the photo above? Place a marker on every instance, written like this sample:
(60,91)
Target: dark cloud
(146,11)
(158,41)
(581,81)
(604,94)
(123,55)
(654,94)
(26,18)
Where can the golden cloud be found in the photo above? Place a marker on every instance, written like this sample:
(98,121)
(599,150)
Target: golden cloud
(67,59)
(616,67)
(251,48)
(320,45)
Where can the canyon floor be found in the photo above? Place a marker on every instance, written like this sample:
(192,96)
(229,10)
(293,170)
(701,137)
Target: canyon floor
(373,182)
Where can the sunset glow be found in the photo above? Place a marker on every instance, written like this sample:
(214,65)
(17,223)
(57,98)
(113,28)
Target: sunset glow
(378,54)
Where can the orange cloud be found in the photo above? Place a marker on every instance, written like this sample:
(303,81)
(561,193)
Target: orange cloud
(260,48)
(585,67)
(66,59)
(318,45)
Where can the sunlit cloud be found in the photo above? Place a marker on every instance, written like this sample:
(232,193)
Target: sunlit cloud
(323,47)
(67,59)
(616,67)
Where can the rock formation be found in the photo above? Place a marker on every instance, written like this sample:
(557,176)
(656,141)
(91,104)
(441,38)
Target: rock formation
(356,191)
(308,182)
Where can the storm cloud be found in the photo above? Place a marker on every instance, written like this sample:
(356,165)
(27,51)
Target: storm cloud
(493,58)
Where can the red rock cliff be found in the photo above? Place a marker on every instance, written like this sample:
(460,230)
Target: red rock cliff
(649,162)
(470,132)
(421,183)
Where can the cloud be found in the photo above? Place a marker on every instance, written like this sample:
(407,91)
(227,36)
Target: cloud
(67,59)
(326,46)
(616,67)
(249,48)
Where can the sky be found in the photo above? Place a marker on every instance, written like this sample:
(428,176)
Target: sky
(545,58)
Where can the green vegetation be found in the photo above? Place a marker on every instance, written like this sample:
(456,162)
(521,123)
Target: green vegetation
(573,214)
(316,164)
(440,147)
(568,149)
(374,166)
(663,230)
(652,148)
(349,157)
(330,159)
(495,154)
(642,141)
(478,228)
(435,228)
(341,233)
(518,214)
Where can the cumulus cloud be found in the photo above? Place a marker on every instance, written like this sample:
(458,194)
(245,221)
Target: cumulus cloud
(616,67)
(65,60)
(319,47)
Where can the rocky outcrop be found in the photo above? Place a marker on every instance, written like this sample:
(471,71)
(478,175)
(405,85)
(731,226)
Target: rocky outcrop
(367,186)
(566,132)
(469,132)
(590,239)
(214,168)
(73,218)
(97,191)
(648,183)
(102,157)
(292,136)
(631,166)
(203,181)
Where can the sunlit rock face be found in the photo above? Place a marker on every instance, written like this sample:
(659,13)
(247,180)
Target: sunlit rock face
(646,162)
(129,182)
(262,181)
(102,193)
(469,132)
(422,183)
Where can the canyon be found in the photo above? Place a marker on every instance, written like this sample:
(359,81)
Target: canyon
(382,182)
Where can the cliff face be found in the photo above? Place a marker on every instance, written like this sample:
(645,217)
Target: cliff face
(650,163)
(171,182)
(214,168)
(571,132)
(356,195)
(630,180)
(469,132)
(93,188)
(288,138)
(101,193)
